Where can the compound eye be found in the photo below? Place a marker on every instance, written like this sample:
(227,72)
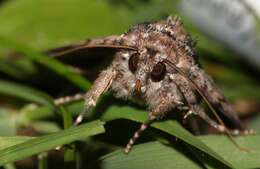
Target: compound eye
(158,72)
(133,62)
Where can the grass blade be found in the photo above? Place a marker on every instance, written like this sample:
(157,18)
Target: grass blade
(13,140)
(152,155)
(240,159)
(26,93)
(47,142)
(170,126)
(156,155)
(54,65)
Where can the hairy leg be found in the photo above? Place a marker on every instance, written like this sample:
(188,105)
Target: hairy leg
(138,133)
(215,96)
(197,110)
(194,108)
(67,99)
(157,112)
(100,85)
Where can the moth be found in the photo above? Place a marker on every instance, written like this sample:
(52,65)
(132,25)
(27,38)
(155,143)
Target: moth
(157,62)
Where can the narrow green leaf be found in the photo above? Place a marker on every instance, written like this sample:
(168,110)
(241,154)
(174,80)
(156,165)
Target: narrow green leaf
(10,69)
(24,92)
(45,127)
(69,154)
(226,149)
(6,128)
(54,65)
(152,155)
(13,140)
(47,142)
(32,113)
(170,126)
(156,155)
(43,161)
(67,118)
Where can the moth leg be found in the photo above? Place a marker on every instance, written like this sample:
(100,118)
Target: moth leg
(100,85)
(157,112)
(138,133)
(186,109)
(190,112)
(192,122)
(215,96)
(68,99)
(195,108)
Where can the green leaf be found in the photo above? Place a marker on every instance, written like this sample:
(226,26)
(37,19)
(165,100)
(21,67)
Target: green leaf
(54,65)
(47,142)
(69,154)
(226,149)
(11,141)
(67,118)
(26,93)
(6,128)
(170,126)
(31,113)
(18,68)
(43,161)
(45,126)
(156,155)
(152,155)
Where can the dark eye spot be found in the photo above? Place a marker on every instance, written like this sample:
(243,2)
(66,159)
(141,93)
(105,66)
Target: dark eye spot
(133,62)
(158,72)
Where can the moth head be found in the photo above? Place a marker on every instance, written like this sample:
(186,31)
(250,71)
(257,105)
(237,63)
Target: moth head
(146,70)
(155,42)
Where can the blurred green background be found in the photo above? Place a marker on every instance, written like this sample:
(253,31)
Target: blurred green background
(29,82)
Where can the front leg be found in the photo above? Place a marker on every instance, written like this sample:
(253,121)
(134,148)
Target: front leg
(68,99)
(100,85)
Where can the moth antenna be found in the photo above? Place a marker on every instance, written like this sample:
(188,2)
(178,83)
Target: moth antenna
(208,103)
(91,46)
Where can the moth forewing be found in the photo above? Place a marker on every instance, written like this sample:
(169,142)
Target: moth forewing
(140,67)
(222,126)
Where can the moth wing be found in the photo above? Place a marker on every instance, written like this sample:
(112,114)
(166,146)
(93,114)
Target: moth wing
(211,94)
(217,99)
